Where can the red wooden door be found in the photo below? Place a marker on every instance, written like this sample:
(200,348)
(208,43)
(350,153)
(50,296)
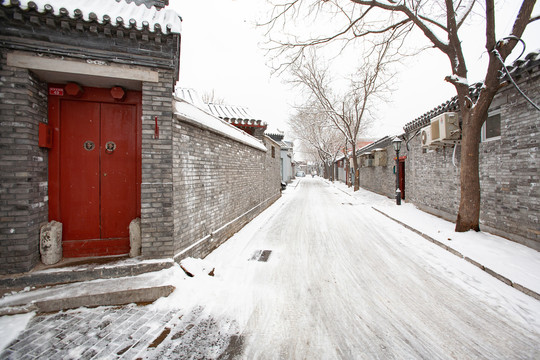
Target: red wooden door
(118,170)
(97,177)
(79,170)
(402,177)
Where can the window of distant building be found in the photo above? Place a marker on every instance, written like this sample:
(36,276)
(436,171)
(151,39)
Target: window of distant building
(273,152)
(491,130)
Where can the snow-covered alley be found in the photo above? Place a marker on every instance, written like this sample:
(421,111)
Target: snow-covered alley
(343,281)
(340,281)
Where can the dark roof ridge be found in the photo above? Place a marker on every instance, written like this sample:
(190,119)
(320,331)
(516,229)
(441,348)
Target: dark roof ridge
(118,14)
(516,70)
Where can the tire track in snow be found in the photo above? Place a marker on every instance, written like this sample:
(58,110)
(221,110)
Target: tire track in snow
(341,285)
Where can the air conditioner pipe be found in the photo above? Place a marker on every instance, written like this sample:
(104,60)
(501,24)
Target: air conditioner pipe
(454,155)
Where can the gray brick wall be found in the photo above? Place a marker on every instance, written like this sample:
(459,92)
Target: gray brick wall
(219,185)
(381,179)
(509,171)
(432,180)
(63,36)
(23,175)
(157,163)
(23,189)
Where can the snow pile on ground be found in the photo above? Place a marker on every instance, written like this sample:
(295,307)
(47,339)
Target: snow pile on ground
(197,267)
(12,326)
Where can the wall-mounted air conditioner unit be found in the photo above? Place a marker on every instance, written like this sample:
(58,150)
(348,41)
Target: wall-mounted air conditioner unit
(425,137)
(445,128)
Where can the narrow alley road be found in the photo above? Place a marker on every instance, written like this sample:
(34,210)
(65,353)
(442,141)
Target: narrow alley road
(318,275)
(343,282)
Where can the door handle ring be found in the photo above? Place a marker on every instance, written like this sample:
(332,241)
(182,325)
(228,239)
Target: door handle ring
(88,145)
(110,146)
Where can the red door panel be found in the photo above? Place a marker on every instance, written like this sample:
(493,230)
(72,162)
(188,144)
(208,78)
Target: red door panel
(79,170)
(118,170)
(95,209)
(402,178)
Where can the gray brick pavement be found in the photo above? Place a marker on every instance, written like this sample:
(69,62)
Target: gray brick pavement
(128,332)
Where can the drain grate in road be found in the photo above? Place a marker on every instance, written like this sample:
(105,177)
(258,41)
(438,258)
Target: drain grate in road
(261,255)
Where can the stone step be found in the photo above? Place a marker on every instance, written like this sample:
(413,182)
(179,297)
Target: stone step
(138,296)
(141,289)
(77,273)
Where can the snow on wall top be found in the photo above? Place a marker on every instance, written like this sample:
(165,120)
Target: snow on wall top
(118,13)
(192,113)
(236,115)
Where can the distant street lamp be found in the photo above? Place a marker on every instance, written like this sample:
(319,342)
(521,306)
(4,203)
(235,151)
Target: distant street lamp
(396,143)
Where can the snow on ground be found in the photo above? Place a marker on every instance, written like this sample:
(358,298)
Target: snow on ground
(12,326)
(514,261)
(168,276)
(343,281)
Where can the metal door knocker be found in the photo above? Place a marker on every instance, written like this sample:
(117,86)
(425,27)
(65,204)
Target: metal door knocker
(89,145)
(110,146)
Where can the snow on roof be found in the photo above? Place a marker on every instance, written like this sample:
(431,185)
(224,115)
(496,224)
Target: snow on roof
(192,113)
(189,95)
(117,13)
(238,115)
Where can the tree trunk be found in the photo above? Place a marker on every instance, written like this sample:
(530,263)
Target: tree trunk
(348,179)
(469,205)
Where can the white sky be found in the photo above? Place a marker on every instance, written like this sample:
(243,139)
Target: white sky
(221,51)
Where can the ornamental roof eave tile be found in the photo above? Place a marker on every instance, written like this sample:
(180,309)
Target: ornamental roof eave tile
(119,14)
(237,115)
(518,69)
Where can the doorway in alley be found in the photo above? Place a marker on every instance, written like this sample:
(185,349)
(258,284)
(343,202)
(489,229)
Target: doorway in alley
(94,171)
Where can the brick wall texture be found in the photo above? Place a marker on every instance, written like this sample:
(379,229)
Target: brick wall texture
(23,175)
(195,184)
(509,171)
(157,162)
(23,105)
(219,184)
(381,179)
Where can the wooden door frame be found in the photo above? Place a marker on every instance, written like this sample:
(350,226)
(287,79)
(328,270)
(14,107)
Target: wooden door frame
(101,95)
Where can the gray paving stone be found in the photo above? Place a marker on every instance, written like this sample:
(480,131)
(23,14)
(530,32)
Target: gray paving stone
(115,333)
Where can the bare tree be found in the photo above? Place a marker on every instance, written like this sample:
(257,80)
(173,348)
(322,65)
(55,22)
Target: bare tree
(311,126)
(440,22)
(350,112)
(212,98)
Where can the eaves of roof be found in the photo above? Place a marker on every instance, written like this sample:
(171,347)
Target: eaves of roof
(236,115)
(104,12)
(518,69)
(381,143)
